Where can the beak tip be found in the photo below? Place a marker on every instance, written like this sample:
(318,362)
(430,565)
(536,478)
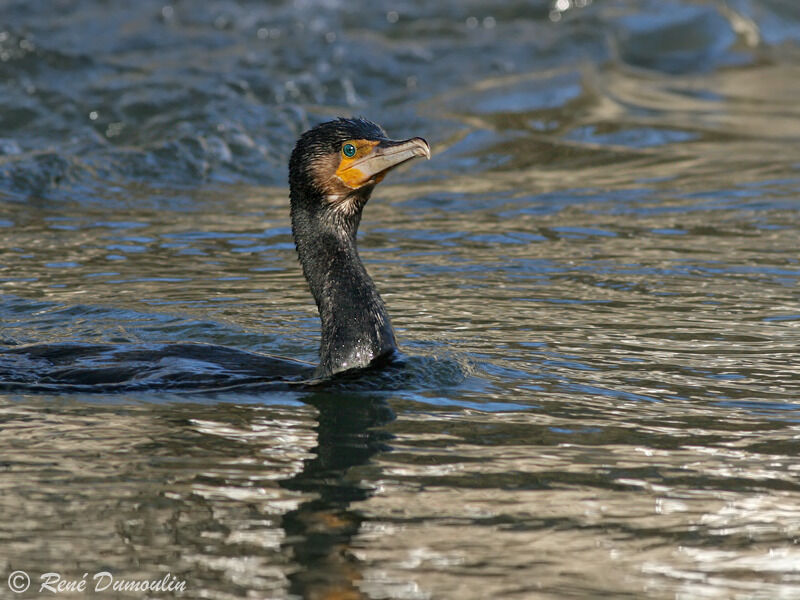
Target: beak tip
(424,147)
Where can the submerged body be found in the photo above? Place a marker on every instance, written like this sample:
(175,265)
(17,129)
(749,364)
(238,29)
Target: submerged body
(332,171)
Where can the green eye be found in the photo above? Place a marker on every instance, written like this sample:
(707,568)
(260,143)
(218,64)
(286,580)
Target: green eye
(349,150)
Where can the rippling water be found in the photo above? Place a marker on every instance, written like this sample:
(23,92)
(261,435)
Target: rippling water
(595,280)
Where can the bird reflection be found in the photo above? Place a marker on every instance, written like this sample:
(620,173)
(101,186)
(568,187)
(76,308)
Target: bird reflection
(320,531)
(213,483)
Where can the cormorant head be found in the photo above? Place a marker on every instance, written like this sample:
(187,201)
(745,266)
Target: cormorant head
(335,165)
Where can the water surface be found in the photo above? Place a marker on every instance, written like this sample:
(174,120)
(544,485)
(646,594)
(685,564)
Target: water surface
(595,280)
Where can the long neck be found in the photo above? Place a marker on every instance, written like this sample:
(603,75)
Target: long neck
(355,326)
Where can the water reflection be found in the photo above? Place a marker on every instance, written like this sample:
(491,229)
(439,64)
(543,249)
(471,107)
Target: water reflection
(319,533)
(276,487)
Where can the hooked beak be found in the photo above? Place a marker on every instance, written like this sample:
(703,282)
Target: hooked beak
(386,155)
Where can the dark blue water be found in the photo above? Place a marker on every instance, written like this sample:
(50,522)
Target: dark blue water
(594,280)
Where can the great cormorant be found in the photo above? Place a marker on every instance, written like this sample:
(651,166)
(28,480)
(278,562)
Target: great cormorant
(333,169)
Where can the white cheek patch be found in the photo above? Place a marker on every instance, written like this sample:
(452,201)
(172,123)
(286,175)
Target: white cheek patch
(336,194)
(342,204)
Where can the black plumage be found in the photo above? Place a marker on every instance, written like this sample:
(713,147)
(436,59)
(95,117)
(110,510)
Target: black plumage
(356,329)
